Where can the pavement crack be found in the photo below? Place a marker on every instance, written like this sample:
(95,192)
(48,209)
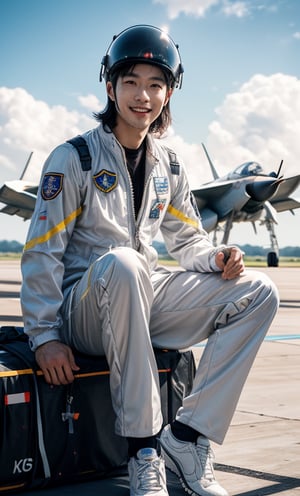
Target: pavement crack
(273,417)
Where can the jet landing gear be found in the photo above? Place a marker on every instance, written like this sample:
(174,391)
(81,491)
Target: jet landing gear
(273,255)
(272,259)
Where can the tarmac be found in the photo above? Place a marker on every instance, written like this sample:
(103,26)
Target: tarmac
(261,452)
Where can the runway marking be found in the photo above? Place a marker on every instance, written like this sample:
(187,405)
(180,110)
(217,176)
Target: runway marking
(10,295)
(11,318)
(280,337)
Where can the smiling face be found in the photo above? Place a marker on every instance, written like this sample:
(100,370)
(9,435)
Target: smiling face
(139,96)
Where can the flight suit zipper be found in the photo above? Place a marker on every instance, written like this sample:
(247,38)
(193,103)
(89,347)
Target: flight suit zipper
(131,207)
(142,211)
(136,222)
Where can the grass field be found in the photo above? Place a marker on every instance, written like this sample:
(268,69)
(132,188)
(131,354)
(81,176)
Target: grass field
(249,261)
(253,262)
(262,262)
(10,256)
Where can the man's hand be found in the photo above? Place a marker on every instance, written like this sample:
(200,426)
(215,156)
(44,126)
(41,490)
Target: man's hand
(57,362)
(230,261)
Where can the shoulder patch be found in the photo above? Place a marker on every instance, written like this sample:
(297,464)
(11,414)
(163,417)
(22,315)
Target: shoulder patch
(52,185)
(174,164)
(105,180)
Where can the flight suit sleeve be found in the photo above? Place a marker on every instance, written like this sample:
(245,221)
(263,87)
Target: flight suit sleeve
(182,229)
(57,207)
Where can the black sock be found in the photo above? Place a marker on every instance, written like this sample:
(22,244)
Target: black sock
(183,432)
(137,443)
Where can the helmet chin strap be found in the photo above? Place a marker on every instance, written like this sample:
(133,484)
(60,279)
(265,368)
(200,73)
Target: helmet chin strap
(103,67)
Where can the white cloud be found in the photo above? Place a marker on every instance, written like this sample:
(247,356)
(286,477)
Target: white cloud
(29,125)
(191,154)
(90,102)
(199,8)
(259,122)
(5,163)
(236,9)
(297,35)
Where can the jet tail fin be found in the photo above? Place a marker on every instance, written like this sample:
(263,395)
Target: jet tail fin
(26,166)
(212,167)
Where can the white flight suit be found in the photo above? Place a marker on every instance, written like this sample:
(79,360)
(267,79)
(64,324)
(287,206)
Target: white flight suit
(121,310)
(90,279)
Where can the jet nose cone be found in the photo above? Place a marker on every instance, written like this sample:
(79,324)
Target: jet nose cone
(262,191)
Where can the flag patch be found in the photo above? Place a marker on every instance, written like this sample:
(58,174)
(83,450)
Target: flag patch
(43,215)
(16,398)
(156,208)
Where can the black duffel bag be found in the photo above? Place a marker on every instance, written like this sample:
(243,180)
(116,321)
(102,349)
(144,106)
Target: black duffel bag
(58,434)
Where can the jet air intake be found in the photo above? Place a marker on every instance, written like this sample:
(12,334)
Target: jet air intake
(263,190)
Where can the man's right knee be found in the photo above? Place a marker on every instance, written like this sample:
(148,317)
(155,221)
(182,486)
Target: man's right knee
(121,265)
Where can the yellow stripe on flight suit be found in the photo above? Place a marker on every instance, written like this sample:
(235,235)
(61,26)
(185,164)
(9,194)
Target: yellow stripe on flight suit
(56,229)
(87,289)
(179,215)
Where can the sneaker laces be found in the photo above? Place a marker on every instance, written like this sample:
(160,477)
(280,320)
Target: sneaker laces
(149,475)
(206,457)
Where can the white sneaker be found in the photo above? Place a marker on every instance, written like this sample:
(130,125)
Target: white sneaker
(192,463)
(147,474)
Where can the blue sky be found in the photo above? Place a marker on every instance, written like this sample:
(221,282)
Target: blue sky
(240,94)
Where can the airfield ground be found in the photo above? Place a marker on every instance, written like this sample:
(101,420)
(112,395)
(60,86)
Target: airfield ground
(261,453)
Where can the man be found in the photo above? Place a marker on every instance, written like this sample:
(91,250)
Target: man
(91,280)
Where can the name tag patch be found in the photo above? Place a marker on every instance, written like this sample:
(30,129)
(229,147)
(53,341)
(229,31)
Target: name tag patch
(161,185)
(52,185)
(106,181)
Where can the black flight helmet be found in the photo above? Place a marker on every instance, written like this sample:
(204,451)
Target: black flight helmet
(143,44)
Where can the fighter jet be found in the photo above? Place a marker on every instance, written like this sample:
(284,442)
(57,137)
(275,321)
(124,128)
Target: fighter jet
(247,194)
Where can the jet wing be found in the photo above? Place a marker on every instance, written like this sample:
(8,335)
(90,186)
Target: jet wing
(216,201)
(286,204)
(19,197)
(21,212)
(209,192)
(282,200)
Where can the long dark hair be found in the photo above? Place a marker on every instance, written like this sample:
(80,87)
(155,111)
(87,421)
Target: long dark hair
(108,116)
